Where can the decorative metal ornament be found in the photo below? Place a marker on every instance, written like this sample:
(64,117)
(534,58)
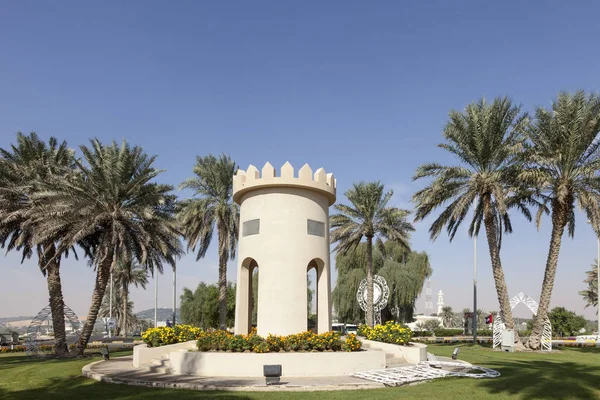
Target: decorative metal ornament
(426,370)
(34,329)
(381,294)
(498,324)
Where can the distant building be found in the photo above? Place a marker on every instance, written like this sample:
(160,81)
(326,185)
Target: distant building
(440,302)
(421,319)
(8,338)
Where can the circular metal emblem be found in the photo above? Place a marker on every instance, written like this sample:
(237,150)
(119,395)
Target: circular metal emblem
(381,293)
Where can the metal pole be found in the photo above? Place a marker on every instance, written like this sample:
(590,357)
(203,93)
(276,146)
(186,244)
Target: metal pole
(174,293)
(155,298)
(110,306)
(475,284)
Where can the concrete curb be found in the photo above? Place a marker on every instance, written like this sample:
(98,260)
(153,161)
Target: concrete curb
(88,372)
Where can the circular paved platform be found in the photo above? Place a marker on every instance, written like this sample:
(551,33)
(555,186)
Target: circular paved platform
(121,371)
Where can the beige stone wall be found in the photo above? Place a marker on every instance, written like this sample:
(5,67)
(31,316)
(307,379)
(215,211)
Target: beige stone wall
(292,364)
(413,354)
(283,250)
(143,355)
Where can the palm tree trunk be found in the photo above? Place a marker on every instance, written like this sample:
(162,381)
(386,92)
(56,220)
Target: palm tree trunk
(222,281)
(124,318)
(499,280)
(102,275)
(57,304)
(559,221)
(370,321)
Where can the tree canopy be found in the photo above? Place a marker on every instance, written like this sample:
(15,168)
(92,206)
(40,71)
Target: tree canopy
(405,272)
(212,207)
(590,294)
(201,306)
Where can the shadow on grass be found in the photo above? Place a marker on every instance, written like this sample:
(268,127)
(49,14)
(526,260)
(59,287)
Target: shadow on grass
(82,388)
(595,350)
(9,361)
(571,373)
(543,380)
(12,361)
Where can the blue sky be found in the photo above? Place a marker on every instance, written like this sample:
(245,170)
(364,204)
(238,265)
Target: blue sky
(362,89)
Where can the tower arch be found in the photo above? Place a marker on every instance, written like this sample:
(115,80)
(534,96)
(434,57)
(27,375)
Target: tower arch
(244,293)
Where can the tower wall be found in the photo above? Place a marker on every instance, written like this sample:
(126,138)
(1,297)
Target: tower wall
(284,231)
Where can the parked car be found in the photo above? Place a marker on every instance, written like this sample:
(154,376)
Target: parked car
(344,329)
(351,328)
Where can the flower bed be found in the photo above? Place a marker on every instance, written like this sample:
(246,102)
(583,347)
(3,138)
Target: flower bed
(305,341)
(163,335)
(21,348)
(390,332)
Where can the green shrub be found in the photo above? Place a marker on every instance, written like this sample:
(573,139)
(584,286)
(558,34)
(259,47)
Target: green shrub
(447,332)
(164,335)
(390,332)
(276,343)
(351,343)
(450,332)
(262,347)
(304,341)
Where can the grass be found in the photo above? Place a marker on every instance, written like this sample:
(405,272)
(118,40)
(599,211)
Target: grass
(566,374)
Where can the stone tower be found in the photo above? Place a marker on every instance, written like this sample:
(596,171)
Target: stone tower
(284,232)
(440,302)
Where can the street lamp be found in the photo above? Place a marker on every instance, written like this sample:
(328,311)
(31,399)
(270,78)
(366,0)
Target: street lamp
(109,330)
(475,279)
(155,297)
(598,287)
(174,293)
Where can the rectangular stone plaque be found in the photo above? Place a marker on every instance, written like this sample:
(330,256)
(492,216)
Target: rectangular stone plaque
(251,227)
(315,228)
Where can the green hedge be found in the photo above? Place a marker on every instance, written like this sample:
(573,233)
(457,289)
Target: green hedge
(449,332)
(304,341)
(49,348)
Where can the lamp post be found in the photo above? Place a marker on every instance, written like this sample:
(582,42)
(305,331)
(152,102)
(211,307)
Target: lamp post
(598,289)
(174,293)
(155,297)
(110,306)
(475,282)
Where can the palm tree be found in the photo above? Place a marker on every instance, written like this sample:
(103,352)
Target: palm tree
(486,139)
(563,162)
(368,217)
(122,309)
(116,209)
(214,207)
(23,171)
(126,273)
(590,295)
(447,316)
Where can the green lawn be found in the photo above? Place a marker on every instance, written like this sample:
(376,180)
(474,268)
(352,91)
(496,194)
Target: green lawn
(567,374)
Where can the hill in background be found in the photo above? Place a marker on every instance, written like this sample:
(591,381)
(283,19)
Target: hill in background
(162,314)
(6,320)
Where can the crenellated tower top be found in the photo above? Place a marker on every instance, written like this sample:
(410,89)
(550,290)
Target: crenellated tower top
(252,178)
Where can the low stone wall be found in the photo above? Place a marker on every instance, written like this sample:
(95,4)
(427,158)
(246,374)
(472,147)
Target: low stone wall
(143,355)
(220,364)
(412,354)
